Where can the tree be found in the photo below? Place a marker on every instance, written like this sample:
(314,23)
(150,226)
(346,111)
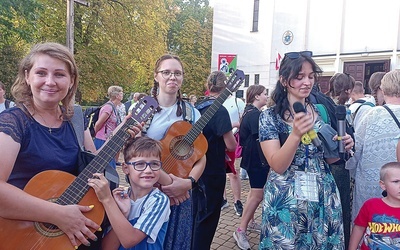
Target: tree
(190,37)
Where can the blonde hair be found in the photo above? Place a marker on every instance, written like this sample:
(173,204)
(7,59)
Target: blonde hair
(386,167)
(113,92)
(391,83)
(21,90)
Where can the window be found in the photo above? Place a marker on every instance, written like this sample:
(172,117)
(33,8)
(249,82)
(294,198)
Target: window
(256,79)
(246,80)
(256,11)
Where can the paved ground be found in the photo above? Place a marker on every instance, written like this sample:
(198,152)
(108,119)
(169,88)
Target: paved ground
(229,221)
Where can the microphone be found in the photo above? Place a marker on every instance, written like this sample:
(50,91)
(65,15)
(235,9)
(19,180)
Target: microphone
(340,113)
(298,107)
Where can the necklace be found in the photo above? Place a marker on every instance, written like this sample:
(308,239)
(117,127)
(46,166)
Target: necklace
(44,120)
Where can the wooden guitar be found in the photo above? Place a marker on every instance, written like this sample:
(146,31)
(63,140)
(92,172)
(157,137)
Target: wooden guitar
(184,144)
(66,189)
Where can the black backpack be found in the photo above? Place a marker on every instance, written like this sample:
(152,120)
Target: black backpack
(90,117)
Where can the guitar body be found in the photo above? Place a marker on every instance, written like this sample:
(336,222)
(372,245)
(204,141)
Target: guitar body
(47,185)
(178,156)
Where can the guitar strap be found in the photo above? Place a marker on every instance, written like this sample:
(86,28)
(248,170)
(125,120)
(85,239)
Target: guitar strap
(188,112)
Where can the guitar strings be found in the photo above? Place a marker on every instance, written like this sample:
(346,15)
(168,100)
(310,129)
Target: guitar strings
(78,188)
(190,137)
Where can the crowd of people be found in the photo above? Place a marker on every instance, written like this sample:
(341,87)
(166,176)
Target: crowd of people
(318,188)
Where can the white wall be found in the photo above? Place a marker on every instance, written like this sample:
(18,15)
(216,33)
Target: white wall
(337,31)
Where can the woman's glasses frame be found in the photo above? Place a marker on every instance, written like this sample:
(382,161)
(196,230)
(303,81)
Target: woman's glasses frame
(166,74)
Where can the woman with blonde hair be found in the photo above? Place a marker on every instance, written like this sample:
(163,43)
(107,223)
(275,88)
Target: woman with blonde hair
(36,136)
(376,141)
(109,118)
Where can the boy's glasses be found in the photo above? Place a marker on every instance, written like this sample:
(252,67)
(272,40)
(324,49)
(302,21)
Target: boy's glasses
(142,165)
(295,55)
(166,74)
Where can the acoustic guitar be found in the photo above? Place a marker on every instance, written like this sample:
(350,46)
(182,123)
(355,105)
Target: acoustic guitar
(184,144)
(66,189)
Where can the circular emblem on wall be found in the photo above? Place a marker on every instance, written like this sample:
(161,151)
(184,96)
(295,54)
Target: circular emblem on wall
(287,37)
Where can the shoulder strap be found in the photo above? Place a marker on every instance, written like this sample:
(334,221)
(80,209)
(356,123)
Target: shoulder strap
(324,112)
(364,103)
(204,104)
(359,101)
(188,112)
(78,124)
(392,114)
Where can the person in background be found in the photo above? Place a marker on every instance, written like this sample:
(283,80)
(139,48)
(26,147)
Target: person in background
(193,99)
(360,102)
(4,103)
(218,132)
(131,100)
(37,135)
(168,80)
(109,118)
(139,217)
(376,225)
(256,98)
(376,140)
(374,84)
(235,107)
(298,214)
(341,86)
(137,97)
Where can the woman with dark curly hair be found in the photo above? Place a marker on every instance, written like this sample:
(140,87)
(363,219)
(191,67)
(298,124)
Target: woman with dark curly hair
(302,208)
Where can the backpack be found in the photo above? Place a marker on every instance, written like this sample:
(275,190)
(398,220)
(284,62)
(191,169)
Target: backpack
(90,117)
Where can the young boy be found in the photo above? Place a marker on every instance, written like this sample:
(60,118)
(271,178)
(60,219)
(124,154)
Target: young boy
(378,221)
(138,218)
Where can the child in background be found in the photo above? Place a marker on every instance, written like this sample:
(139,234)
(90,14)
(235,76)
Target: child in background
(378,221)
(138,218)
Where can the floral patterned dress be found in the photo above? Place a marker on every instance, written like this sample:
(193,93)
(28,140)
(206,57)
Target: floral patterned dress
(291,223)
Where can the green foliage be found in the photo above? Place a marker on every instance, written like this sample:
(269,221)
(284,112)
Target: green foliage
(116,41)
(190,37)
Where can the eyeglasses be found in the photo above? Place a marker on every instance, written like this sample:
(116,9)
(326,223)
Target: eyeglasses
(295,55)
(166,74)
(142,165)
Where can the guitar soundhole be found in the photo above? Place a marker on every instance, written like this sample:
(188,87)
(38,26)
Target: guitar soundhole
(48,230)
(180,149)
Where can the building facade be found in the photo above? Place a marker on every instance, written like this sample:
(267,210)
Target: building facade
(358,37)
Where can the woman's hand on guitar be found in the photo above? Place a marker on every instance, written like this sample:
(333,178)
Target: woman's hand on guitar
(178,191)
(75,225)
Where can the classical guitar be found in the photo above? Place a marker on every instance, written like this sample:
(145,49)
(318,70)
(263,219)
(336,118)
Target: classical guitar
(184,144)
(66,189)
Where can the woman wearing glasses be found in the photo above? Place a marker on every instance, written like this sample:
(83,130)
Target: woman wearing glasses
(301,208)
(168,79)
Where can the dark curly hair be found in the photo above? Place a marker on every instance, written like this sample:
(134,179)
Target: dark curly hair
(289,70)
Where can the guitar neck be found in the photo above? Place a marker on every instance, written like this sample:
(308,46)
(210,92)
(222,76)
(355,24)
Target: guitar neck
(78,188)
(205,118)
(112,146)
